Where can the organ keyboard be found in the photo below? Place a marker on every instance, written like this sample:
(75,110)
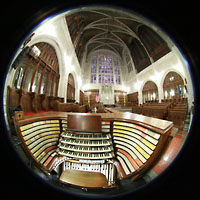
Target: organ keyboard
(91,146)
(86,155)
(124,145)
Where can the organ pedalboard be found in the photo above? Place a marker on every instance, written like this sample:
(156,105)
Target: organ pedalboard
(90,151)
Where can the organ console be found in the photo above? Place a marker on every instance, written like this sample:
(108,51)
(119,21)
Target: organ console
(88,149)
(102,146)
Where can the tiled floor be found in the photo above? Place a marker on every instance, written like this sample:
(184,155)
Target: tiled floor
(171,151)
(169,154)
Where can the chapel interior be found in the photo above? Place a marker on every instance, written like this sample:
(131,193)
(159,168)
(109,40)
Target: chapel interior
(98,98)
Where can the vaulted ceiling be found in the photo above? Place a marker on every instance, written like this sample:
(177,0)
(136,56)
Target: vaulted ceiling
(95,29)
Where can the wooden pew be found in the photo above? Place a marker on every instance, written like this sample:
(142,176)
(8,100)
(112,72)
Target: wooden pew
(32,103)
(155,109)
(177,117)
(26,102)
(178,113)
(36,102)
(69,107)
(137,109)
(45,102)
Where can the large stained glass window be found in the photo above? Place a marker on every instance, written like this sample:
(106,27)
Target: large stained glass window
(105,69)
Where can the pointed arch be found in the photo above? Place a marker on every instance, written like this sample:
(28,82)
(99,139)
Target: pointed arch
(70,88)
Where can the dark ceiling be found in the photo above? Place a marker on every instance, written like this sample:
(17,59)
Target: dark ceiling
(110,29)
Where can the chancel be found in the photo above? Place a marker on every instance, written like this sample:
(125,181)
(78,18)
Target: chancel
(99,98)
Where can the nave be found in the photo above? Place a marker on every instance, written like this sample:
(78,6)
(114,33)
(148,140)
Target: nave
(105,111)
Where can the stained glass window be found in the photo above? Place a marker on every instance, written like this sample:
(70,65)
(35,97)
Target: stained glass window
(105,68)
(93,78)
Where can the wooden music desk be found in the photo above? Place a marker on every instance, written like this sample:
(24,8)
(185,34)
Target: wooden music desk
(84,178)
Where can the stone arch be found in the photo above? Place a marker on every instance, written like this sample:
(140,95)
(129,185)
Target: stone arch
(168,71)
(60,55)
(76,88)
(51,41)
(173,85)
(149,91)
(70,89)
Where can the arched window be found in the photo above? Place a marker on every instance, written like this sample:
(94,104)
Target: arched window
(150,92)
(71,89)
(105,68)
(173,86)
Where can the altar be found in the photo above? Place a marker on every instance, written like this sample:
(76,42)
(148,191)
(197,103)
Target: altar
(106,94)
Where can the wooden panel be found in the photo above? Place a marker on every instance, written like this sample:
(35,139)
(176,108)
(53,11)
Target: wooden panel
(119,96)
(133,97)
(175,81)
(157,125)
(160,51)
(13,99)
(81,98)
(26,101)
(84,122)
(90,97)
(149,85)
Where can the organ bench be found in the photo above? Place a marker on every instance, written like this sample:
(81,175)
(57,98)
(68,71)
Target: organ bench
(108,146)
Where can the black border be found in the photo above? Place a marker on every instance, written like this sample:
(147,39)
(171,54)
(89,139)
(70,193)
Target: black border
(179,20)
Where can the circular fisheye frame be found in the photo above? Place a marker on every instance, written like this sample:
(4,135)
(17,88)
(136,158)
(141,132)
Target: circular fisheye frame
(98,101)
